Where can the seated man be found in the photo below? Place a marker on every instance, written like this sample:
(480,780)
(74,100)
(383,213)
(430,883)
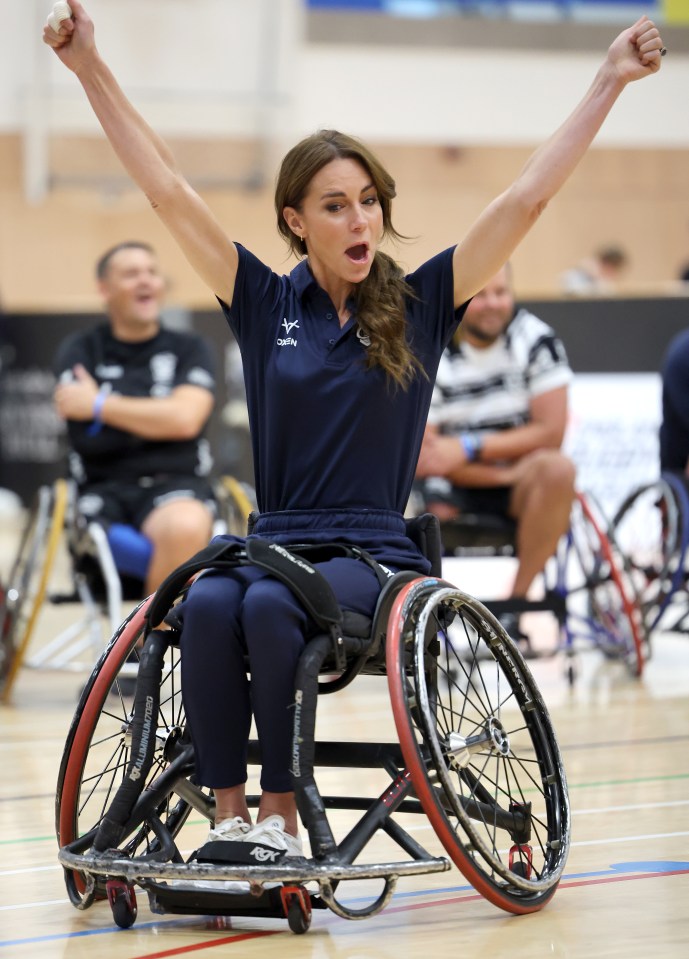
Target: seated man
(492,443)
(674,428)
(137,398)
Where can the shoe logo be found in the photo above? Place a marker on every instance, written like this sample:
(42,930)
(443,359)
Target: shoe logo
(261,854)
(288,340)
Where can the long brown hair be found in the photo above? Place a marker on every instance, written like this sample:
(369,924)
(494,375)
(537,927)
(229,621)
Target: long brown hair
(380,298)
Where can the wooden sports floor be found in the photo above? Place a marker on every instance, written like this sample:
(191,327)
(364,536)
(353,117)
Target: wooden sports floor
(624,893)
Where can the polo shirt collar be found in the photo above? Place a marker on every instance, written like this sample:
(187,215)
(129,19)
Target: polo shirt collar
(302,278)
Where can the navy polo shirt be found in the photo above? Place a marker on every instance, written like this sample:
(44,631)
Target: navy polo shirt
(674,429)
(327,433)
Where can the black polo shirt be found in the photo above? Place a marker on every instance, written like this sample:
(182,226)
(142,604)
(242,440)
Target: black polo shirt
(326,432)
(151,368)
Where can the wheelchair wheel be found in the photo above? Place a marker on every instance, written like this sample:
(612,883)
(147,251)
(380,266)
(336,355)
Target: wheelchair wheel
(236,503)
(651,530)
(28,579)
(98,750)
(478,744)
(602,605)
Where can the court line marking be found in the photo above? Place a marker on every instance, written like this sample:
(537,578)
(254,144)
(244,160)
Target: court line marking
(633,807)
(657,805)
(604,842)
(576,881)
(583,842)
(571,883)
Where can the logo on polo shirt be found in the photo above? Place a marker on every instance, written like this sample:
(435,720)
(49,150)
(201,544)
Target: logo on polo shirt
(288,340)
(362,337)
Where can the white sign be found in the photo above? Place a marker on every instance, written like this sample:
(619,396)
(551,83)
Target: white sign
(612,434)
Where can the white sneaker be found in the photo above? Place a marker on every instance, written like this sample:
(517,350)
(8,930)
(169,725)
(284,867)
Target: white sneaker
(231,829)
(271,832)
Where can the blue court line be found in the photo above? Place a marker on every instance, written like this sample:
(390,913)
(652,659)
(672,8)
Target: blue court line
(616,870)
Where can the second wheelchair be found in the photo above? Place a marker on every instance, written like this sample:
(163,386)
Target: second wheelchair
(651,530)
(586,584)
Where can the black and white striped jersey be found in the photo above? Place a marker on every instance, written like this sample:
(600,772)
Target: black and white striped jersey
(491,389)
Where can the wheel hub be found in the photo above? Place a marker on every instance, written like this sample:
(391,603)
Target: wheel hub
(493,736)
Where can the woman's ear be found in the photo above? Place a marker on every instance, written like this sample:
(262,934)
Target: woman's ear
(293,221)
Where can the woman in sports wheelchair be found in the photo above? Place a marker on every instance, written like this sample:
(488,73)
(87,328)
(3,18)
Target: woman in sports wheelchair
(476,753)
(339,360)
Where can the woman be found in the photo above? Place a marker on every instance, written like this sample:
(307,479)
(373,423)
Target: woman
(339,362)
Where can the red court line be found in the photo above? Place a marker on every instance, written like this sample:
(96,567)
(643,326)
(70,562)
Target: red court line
(225,941)
(641,875)
(409,907)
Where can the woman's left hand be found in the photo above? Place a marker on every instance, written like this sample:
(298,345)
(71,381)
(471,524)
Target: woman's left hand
(636,52)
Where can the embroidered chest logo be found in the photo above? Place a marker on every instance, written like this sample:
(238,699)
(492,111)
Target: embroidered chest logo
(162,367)
(362,337)
(288,340)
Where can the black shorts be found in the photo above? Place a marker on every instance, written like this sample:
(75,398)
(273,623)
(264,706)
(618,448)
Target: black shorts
(120,501)
(492,500)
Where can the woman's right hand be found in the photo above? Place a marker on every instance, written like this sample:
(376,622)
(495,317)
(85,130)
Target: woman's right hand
(74,43)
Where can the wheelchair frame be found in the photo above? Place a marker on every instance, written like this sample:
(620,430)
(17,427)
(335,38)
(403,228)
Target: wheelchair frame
(477,755)
(587,585)
(96,584)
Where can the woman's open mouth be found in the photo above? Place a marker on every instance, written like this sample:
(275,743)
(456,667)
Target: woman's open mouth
(358,253)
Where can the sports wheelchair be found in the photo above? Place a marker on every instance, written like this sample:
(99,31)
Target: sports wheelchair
(106,568)
(476,753)
(586,585)
(651,530)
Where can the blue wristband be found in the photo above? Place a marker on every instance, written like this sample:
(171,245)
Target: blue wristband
(471,445)
(97,424)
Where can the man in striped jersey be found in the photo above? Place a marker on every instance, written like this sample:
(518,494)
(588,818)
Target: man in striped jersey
(497,422)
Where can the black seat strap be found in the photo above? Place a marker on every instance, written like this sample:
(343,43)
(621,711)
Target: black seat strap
(217,555)
(301,576)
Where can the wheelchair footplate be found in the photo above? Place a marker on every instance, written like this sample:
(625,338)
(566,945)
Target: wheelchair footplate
(206,888)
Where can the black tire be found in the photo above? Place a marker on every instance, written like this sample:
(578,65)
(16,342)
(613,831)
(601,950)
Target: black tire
(298,921)
(651,530)
(454,674)
(97,751)
(123,904)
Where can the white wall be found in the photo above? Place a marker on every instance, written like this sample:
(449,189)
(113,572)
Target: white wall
(190,65)
(195,66)
(482,97)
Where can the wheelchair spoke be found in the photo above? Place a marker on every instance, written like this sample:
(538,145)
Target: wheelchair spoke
(98,752)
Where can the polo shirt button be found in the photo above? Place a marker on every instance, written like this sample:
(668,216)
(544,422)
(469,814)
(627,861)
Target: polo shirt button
(328,316)
(332,342)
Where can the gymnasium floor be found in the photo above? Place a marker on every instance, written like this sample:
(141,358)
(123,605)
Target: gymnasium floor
(624,893)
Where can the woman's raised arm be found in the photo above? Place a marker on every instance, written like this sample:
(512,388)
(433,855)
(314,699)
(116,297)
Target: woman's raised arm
(635,54)
(145,155)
